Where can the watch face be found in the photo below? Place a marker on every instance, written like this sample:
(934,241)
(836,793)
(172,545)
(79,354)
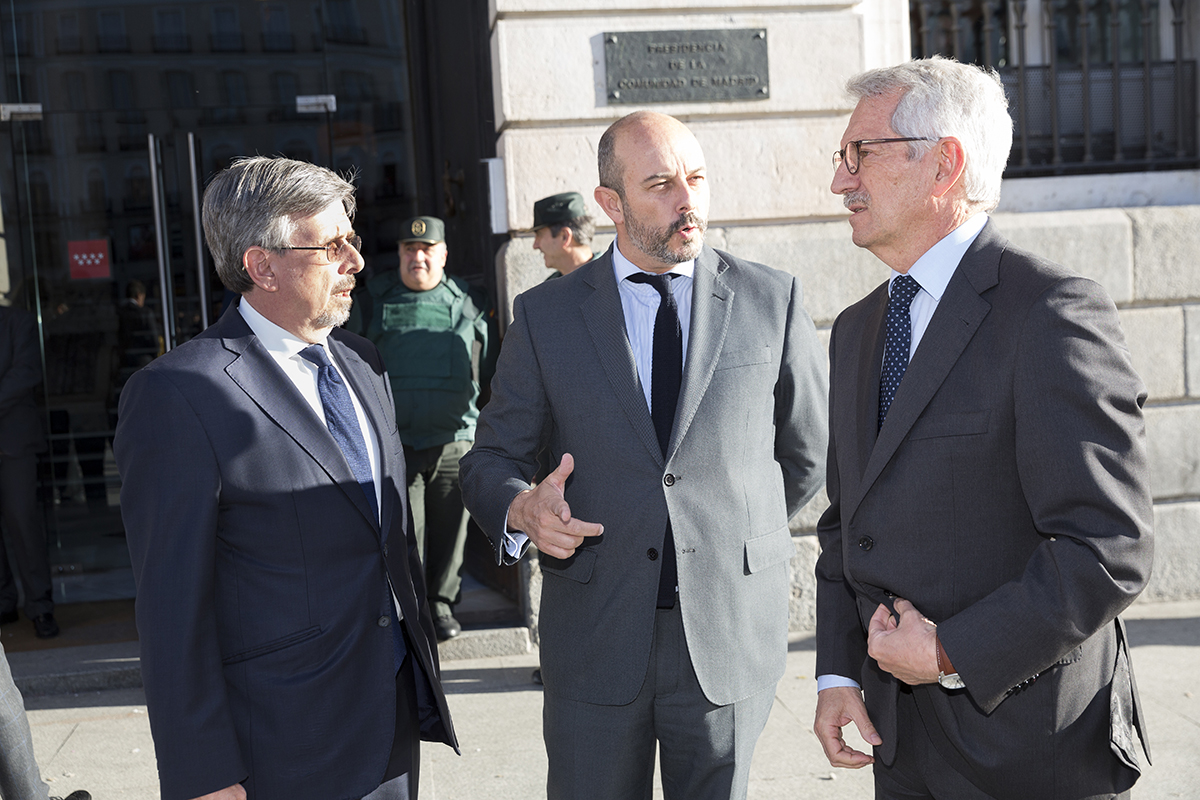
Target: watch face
(951,681)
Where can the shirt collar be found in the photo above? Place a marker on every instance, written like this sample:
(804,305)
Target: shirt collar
(934,269)
(623,267)
(279,342)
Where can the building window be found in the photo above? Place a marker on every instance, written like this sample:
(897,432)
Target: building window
(1093,85)
(170,31)
(276,29)
(69,40)
(110,36)
(226,35)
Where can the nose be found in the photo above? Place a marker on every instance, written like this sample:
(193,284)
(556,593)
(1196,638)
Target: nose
(354,263)
(843,181)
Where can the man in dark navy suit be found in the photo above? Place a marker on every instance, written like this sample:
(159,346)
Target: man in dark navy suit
(287,648)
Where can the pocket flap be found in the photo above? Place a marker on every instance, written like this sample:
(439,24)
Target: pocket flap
(577,568)
(765,551)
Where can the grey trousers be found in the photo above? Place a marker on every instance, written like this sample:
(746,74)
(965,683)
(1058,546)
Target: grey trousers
(19,773)
(606,752)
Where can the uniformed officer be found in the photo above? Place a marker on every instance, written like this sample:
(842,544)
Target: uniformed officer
(562,231)
(433,333)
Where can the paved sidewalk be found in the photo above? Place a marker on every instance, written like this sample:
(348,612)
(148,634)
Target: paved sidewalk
(100,741)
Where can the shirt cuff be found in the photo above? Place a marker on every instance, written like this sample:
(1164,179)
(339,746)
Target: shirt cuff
(834,681)
(515,542)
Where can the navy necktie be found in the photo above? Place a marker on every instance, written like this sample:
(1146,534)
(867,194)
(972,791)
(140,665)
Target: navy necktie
(342,421)
(665,380)
(897,341)
(343,426)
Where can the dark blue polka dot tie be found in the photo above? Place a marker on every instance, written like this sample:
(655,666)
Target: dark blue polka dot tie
(897,341)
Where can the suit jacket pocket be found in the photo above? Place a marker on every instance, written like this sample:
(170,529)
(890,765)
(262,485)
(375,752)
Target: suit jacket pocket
(273,645)
(744,358)
(766,551)
(965,424)
(577,568)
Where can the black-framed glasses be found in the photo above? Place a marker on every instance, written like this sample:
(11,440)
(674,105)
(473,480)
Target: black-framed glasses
(335,250)
(852,153)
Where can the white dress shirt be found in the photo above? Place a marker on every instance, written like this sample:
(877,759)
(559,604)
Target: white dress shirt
(932,272)
(285,348)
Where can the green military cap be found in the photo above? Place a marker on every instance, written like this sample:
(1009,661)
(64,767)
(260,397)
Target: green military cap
(430,230)
(558,208)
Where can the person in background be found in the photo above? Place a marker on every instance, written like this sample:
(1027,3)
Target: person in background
(432,330)
(562,232)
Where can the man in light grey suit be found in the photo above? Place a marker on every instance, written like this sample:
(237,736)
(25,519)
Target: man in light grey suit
(990,512)
(663,531)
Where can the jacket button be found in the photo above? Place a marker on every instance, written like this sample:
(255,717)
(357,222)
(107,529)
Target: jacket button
(385,552)
(652,554)
(866,543)
(384,621)
(669,479)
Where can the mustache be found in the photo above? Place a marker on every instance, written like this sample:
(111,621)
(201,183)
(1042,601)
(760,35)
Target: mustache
(345,286)
(690,219)
(856,198)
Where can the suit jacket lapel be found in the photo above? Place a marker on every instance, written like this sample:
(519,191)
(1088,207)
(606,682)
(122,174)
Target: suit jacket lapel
(712,305)
(605,320)
(959,314)
(257,374)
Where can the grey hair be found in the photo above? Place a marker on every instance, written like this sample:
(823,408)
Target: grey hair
(582,229)
(255,203)
(942,97)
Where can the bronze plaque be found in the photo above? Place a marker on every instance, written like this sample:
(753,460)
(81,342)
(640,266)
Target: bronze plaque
(647,67)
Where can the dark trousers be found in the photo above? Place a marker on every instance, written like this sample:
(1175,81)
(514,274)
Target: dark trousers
(439,519)
(404,765)
(24,545)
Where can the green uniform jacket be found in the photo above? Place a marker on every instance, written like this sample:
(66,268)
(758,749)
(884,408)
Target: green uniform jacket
(435,347)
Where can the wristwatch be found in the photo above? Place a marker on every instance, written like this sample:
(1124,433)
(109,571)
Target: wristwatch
(947,680)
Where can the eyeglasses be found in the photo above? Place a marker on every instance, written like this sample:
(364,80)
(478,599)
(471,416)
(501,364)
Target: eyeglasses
(852,154)
(335,250)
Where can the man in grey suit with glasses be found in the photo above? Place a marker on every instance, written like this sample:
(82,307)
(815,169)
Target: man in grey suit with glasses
(680,392)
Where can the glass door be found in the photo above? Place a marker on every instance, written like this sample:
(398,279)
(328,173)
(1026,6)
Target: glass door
(116,116)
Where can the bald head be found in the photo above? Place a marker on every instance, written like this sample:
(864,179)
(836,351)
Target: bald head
(653,186)
(639,129)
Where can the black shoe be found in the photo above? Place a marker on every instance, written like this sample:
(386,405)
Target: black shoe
(446,627)
(537,676)
(44,627)
(9,616)
(79,795)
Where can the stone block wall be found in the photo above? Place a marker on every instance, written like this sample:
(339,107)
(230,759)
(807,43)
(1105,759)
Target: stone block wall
(769,167)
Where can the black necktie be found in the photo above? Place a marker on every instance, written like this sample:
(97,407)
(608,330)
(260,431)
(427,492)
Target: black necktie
(343,426)
(666,378)
(897,341)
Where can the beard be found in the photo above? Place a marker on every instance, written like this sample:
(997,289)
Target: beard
(657,243)
(337,312)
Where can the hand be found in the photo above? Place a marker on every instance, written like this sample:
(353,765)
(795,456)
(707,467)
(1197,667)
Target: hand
(907,649)
(235,792)
(837,708)
(543,515)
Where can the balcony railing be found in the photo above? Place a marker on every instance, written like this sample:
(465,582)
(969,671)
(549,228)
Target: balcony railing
(227,42)
(1087,88)
(172,43)
(278,42)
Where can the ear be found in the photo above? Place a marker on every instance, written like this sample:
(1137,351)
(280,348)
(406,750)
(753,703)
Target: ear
(257,263)
(610,201)
(951,163)
(568,238)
